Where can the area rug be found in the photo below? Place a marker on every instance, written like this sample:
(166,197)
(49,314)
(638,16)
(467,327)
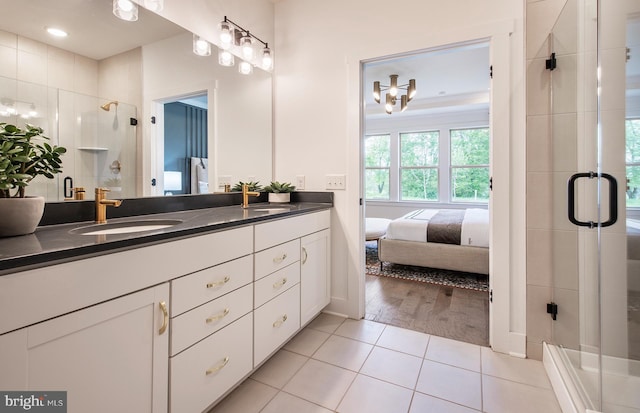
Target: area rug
(471,281)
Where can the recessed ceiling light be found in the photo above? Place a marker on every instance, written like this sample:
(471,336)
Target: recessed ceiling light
(56,32)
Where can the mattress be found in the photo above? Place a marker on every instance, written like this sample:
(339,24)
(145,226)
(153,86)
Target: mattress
(467,227)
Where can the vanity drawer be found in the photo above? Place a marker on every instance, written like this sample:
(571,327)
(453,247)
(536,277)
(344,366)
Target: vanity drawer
(202,321)
(205,285)
(203,373)
(275,322)
(276,232)
(275,284)
(275,258)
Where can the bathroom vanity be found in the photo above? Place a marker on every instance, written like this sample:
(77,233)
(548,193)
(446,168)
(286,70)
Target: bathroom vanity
(170,319)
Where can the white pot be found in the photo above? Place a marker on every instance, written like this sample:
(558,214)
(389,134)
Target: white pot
(20,216)
(281,197)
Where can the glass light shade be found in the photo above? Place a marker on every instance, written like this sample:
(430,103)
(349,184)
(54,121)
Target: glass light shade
(225,58)
(403,103)
(246,44)
(245,68)
(388,107)
(393,88)
(154,5)
(125,10)
(201,47)
(226,35)
(411,91)
(267,59)
(376,91)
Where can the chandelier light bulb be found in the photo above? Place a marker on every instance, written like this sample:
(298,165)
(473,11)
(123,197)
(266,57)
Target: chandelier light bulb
(390,101)
(411,91)
(393,88)
(376,91)
(403,103)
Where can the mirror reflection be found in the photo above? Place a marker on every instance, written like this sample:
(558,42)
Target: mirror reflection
(109,93)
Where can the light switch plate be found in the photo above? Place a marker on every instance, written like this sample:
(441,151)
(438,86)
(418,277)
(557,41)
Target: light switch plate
(300,182)
(336,182)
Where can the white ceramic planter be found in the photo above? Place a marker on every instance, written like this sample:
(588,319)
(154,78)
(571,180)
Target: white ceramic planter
(282,197)
(20,216)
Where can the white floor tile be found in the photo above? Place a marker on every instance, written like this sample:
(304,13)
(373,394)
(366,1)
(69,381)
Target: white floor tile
(320,383)
(454,353)
(362,330)
(504,396)
(526,371)
(451,383)
(307,342)
(326,322)
(279,369)
(343,352)
(423,403)
(392,366)
(406,341)
(285,402)
(249,397)
(369,395)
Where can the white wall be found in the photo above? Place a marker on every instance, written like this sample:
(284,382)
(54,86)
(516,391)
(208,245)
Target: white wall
(320,46)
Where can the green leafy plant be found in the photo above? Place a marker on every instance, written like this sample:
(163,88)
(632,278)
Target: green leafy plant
(252,186)
(277,187)
(25,154)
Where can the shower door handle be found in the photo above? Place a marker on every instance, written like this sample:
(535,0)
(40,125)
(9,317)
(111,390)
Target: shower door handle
(613,199)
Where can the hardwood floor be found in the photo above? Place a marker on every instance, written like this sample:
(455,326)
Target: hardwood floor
(454,313)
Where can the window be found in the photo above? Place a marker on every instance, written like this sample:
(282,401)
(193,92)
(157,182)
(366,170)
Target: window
(470,165)
(632,159)
(442,165)
(377,166)
(419,166)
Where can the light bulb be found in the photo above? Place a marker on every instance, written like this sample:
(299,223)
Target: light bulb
(403,103)
(267,59)
(201,47)
(226,35)
(411,92)
(154,5)
(247,47)
(225,58)
(388,107)
(125,10)
(376,91)
(245,68)
(393,88)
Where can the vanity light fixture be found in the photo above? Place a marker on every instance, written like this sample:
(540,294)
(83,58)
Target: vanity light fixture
(391,97)
(125,10)
(201,47)
(241,41)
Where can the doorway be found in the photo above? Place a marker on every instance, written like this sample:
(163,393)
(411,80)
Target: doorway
(428,152)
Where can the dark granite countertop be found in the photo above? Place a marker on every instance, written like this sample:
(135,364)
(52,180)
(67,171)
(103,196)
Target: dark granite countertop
(65,242)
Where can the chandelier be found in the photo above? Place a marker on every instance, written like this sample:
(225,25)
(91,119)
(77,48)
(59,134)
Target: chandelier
(391,96)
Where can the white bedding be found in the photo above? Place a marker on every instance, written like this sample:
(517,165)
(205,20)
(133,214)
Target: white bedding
(413,227)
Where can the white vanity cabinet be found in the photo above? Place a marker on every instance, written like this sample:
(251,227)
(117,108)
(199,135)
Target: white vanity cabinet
(315,292)
(109,357)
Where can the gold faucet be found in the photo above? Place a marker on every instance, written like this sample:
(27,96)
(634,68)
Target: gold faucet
(101,205)
(245,195)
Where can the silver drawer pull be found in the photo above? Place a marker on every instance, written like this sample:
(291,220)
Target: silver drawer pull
(278,260)
(218,367)
(219,283)
(218,316)
(280,283)
(280,321)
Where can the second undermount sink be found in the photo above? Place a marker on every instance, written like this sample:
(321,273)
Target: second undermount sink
(126,227)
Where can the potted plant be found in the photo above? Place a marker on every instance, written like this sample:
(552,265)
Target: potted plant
(251,186)
(24,154)
(279,192)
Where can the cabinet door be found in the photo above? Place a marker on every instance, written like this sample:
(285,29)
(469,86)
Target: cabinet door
(108,358)
(314,275)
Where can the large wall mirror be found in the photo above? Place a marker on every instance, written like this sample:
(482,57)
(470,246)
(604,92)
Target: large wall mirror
(124,96)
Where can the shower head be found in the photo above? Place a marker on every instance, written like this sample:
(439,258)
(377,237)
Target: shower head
(107,106)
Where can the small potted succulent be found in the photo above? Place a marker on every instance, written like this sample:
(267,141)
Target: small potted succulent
(279,192)
(251,186)
(24,155)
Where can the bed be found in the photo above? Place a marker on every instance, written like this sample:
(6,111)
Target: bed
(448,239)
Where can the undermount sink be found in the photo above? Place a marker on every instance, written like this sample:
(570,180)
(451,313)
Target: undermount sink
(126,227)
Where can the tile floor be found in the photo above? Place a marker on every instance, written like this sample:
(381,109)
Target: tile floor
(361,366)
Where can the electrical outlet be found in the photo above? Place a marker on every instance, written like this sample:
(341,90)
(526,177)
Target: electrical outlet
(300,182)
(224,180)
(336,181)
